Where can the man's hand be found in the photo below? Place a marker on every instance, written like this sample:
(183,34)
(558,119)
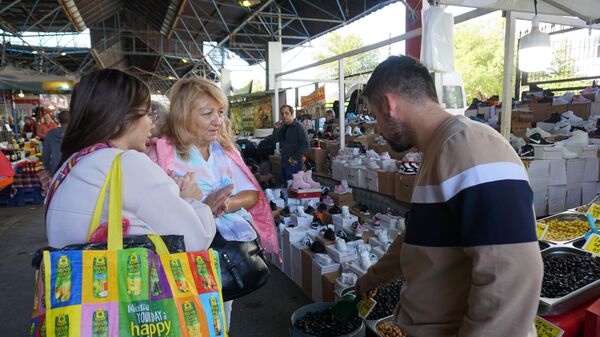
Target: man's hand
(363,289)
(278,124)
(292,161)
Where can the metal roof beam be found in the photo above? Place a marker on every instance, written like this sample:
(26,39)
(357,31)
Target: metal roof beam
(291,37)
(298,16)
(53,12)
(29,15)
(9,6)
(171,17)
(191,3)
(341,10)
(221,16)
(321,9)
(295,17)
(567,9)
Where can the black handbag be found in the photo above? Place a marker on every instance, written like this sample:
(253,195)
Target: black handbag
(243,266)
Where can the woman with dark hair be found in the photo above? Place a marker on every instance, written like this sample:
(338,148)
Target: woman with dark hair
(110,114)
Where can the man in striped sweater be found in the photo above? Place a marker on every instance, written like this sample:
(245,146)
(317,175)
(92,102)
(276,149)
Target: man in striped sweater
(469,255)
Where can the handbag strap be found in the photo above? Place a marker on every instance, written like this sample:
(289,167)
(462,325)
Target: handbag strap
(62,174)
(114,179)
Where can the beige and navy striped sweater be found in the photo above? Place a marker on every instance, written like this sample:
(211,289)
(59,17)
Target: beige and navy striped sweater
(470,254)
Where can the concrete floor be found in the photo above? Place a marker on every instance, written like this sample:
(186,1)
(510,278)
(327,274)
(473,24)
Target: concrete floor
(266,312)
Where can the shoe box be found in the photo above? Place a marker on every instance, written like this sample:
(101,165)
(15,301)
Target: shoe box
(386,183)
(319,157)
(354,210)
(305,193)
(404,187)
(340,200)
(306,262)
(547,152)
(338,170)
(341,257)
(340,222)
(320,293)
(581,109)
(371,180)
(291,235)
(357,269)
(356,176)
(296,262)
(328,286)
(301,221)
(364,140)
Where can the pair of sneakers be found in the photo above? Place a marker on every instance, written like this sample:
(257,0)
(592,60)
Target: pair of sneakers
(409,167)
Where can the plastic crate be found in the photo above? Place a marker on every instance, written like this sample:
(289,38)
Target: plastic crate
(5,199)
(28,196)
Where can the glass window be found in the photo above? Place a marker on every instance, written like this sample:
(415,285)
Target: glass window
(453,97)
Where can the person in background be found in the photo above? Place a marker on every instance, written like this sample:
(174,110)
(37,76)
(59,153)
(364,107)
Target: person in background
(293,142)
(472,268)
(110,115)
(198,139)
(161,111)
(51,150)
(46,124)
(29,127)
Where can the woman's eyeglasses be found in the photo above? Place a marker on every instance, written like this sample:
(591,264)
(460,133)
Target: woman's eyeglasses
(153,114)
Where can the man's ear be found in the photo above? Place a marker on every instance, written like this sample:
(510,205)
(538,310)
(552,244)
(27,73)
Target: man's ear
(392,103)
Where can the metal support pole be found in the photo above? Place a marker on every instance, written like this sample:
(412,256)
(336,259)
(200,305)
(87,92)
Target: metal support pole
(509,58)
(341,106)
(276,102)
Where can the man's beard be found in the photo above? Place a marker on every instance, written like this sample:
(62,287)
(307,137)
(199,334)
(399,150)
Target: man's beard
(402,137)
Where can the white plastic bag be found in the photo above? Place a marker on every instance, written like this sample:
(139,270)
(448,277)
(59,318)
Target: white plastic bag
(437,40)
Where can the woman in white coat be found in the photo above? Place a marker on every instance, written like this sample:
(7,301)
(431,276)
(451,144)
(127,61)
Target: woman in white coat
(110,114)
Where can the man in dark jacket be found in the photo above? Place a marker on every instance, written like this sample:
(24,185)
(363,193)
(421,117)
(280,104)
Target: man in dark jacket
(51,147)
(293,142)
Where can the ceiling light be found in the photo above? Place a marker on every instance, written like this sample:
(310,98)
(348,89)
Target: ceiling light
(63,54)
(184,60)
(21,94)
(249,3)
(51,107)
(172,78)
(158,91)
(535,53)
(34,52)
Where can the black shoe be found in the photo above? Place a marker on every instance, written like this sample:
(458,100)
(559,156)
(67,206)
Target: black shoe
(324,191)
(285,211)
(309,210)
(318,248)
(322,207)
(537,139)
(341,234)
(316,224)
(273,206)
(335,210)
(527,152)
(329,234)
(364,209)
(554,118)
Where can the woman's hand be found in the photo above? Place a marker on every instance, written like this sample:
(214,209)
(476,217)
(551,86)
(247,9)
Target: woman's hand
(218,199)
(188,187)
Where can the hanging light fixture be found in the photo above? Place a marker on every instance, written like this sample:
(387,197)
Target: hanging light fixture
(535,53)
(21,94)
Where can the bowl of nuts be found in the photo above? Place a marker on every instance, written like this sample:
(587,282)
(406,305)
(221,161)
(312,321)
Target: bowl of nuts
(565,227)
(388,328)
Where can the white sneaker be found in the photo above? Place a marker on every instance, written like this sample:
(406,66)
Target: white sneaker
(559,101)
(340,245)
(562,127)
(413,156)
(567,154)
(345,184)
(531,131)
(348,130)
(382,236)
(356,132)
(345,212)
(372,154)
(365,260)
(300,211)
(385,156)
(573,118)
(323,259)
(269,194)
(349,278)
(373,165)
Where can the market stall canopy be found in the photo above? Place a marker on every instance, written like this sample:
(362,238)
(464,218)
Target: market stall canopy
(25,79)
(161,41)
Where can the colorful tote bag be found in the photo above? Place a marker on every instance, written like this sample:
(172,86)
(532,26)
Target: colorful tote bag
(127,292)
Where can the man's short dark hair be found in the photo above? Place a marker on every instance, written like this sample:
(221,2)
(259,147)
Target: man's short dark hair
(63,117)
(404,76)
(287,106)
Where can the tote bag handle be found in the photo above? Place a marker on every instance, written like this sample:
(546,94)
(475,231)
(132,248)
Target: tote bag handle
(115,206)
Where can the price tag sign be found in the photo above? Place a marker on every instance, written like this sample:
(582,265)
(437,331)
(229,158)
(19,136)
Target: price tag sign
(541,229)
(595,211)
(546,329)
(592,244)
(365,306)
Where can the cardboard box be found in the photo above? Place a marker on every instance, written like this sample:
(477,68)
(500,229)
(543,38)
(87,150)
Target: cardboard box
(386,182)
(547,152)
(317,282)
(560,108)
(588,192)
(573,195)
(339,222)
(342,199)
(590,172)
(558,173)
(557,196)
(338,170)
(575,170)
(381,148)
(404,187)
(307,257)
(360,139)
(356,176)
(319,156)
(540,200)
(372,180)
(296,262)
(328,285)
(581,109)
(540,111)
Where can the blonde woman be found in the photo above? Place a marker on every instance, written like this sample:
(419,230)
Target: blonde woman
(198,139)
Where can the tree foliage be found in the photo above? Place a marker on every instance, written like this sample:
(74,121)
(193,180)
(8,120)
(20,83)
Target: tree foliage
(338,44)
(479,56)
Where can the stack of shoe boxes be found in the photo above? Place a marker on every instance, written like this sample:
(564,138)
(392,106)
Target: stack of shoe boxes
(296,262)
(307,258)
(575,177)
(318,293)
(291,235)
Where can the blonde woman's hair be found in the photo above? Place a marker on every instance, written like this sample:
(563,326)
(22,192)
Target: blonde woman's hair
(183,95)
